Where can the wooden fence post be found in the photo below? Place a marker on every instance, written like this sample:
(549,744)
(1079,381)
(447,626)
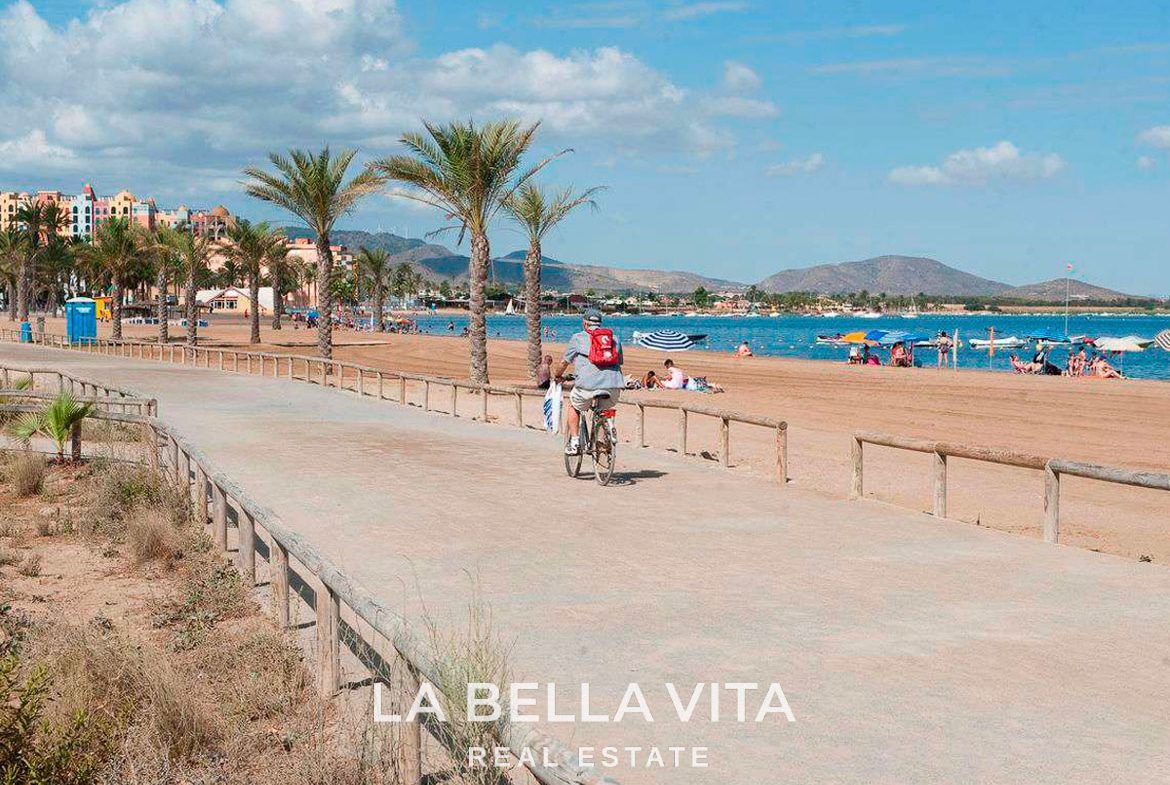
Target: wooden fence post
(410,741)
(641,423)
(246,553)
(402,390)
(381,385)
(328,609)
(454,400)
(856,488)
(201,497)
(361,383)
(322,363)
(682,431)
(151,446)
(782,454)
(278,564)
(1051,505)
(940,485)
(519,404)
(725,441)
(219,517)
(484,402)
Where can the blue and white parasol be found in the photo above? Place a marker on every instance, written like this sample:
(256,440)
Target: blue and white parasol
(665,341)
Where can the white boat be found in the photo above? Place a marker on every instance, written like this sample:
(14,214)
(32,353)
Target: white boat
(912,311)
(1007,342)
(868,315)
(830,315)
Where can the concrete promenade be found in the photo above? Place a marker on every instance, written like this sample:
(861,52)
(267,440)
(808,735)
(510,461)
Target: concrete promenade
(911,650)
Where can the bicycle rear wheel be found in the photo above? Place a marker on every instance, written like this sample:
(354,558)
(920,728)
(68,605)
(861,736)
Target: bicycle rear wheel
(573,462)
(603,450)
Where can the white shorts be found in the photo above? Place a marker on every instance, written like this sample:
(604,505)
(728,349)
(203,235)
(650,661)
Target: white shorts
(582,399)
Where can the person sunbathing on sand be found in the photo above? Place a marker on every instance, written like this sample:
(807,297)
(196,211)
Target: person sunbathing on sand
(1103,370)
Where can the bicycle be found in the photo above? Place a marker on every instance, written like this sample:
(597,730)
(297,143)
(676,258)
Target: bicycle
(597,435)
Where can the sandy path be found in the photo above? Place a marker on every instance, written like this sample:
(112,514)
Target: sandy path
(1117,423)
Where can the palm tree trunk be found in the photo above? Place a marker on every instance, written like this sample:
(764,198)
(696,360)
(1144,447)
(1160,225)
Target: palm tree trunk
(22,287)
(379,305)
(192,310)
(277,298)
(164,331)
(116,308)
(324,296)
(11,297)
(532,305)
(254,294)
(477,330)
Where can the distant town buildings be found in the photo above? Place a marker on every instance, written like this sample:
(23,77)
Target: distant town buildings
(87,211)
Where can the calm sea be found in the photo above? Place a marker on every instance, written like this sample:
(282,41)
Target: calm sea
(795,336)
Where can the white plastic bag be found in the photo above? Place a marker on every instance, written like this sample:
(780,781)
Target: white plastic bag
(552,408)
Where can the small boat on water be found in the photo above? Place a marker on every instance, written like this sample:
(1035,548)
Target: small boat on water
(867,315)
(511,309)
(1007,342)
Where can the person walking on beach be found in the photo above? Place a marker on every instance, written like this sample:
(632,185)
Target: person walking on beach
(596,355)
(944,349)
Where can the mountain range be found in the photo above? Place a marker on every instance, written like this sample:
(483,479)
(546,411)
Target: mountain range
(891,274)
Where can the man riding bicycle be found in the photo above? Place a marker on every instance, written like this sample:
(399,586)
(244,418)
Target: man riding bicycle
(596,354)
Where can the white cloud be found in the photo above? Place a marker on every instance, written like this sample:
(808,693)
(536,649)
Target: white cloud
(1158,136)
(1146,163)
(1001,161)
(689,11)
(33,150)
(739,78)
(807,165)
(180,94)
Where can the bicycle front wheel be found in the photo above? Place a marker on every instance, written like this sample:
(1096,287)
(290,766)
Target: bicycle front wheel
(604,451)
(573,461)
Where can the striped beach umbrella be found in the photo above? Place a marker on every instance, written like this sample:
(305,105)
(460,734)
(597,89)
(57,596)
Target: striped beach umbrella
(665,341)
(1162,339)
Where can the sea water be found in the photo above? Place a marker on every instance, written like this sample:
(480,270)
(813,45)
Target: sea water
(790,335)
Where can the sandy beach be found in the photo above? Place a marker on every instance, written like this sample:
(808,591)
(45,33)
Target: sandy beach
(1121,423)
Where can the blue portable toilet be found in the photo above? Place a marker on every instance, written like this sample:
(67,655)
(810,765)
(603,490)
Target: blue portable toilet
(80,320)
(26,332)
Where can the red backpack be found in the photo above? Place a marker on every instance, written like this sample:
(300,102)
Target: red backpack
(603,349)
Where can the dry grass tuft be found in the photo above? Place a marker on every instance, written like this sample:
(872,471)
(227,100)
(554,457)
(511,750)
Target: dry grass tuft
(27,473)
(152,535)
(31,566)
(121,489)
(8,557)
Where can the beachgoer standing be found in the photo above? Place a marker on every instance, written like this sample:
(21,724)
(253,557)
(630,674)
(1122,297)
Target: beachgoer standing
(595,378)
(944,349)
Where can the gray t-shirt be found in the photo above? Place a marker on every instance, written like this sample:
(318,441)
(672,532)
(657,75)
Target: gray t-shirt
(589,376)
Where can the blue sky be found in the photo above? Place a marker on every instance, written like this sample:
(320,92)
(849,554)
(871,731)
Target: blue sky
(736,138)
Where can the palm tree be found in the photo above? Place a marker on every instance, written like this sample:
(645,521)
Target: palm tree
(283,274)
(117,249)
(166,267)
(251,246)
(12,254)
(230,274)
(192,255)
(40,222)
(468,173)
(312,186)
(56,421)
(538,212)
(375,271)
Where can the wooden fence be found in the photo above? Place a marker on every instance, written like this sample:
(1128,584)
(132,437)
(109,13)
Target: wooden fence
(337,599)
(109,398)
(392,385)
(1053,468)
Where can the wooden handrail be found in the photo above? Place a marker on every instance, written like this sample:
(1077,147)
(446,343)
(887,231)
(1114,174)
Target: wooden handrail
(340,370)
(1053,469)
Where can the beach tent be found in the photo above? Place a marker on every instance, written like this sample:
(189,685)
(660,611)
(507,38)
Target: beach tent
(1162,339)
(665,341)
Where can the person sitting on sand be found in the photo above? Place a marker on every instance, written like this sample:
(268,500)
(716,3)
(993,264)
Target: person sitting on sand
(1102,369)
(869,358)
(651,381)
(899,357)
(544,372)
(854,356)
(675,379)
(744,350)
